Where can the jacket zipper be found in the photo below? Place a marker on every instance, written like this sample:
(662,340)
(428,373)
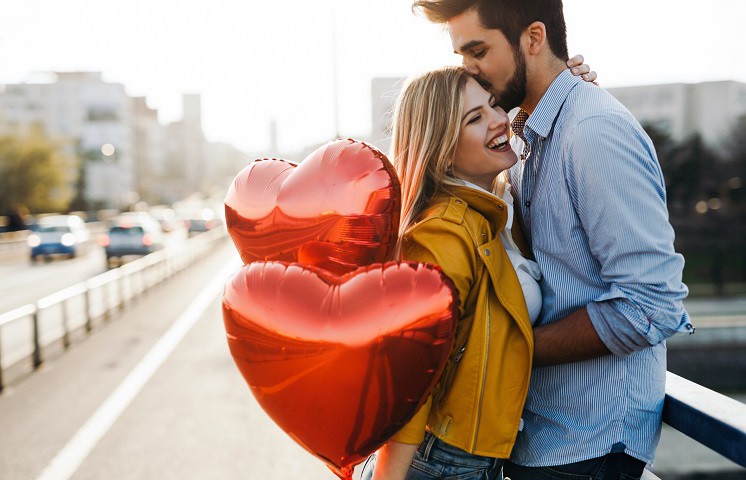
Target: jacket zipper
(483,380)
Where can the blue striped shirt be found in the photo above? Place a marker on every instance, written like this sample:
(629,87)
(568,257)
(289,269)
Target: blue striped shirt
(592,197)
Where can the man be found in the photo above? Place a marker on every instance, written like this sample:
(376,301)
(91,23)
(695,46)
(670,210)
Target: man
(592,200)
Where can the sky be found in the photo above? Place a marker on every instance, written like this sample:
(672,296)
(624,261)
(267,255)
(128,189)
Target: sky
(254,61)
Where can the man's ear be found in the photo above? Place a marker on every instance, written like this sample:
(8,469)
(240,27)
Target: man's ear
(535,36)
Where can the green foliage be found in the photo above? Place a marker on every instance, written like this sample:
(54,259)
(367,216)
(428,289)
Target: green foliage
(34,173)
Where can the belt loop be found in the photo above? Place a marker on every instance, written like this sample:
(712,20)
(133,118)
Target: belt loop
(429,440)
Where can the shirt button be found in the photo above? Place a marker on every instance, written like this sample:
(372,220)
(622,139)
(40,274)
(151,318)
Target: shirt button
(499,206)
(487,251)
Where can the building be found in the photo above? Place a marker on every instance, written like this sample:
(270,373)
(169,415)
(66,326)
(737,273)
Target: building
(127,154)
(709,109)
(88,112)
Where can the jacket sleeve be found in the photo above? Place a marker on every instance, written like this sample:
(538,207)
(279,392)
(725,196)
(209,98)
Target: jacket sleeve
(448,245)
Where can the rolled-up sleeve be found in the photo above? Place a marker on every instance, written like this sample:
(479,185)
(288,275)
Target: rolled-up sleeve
(618,192)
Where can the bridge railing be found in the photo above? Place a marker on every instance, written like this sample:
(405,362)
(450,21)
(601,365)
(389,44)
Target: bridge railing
(53,318)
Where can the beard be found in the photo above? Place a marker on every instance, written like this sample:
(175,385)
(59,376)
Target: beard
(514,92)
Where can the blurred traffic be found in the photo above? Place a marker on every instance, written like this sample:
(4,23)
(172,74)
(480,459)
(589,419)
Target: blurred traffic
(119,236)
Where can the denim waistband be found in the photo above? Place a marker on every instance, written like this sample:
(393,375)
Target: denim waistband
(436,448)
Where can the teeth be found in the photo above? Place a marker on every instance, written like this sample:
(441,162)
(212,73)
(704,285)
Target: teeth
(498,141)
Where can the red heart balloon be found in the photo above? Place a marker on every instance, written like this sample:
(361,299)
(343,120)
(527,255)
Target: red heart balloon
(338,209)
(340,363)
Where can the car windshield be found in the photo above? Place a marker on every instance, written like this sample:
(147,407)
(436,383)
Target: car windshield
(53,228)
(126,231)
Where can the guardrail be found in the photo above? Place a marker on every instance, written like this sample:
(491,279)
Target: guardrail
(54,317)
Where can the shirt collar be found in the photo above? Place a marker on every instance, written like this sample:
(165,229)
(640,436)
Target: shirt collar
(542,119)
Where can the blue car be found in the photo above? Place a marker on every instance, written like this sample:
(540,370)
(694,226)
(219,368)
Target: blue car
(58,235)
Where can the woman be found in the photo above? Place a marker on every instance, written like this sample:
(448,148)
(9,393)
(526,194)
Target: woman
(450,148)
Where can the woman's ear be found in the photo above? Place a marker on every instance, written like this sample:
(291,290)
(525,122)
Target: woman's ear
(536,38)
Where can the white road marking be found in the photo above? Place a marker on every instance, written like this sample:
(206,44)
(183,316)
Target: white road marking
(72,455)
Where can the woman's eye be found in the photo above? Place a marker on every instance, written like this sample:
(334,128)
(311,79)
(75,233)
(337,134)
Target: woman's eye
(495,105)
(474,119)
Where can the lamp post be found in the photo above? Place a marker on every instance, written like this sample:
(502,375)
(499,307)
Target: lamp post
(109,151)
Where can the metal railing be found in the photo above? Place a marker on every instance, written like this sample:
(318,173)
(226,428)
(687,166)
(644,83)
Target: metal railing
(55,317)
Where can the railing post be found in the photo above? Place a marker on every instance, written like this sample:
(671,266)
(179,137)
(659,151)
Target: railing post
(106,293)
(2,385)
(121,279)
(66,332)
(37,360)
(87,306)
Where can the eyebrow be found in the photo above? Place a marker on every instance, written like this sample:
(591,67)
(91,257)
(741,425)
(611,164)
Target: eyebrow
(470,111)
(469,45)
(491,99)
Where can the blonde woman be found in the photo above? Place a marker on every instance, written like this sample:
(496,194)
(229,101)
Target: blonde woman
(450,148)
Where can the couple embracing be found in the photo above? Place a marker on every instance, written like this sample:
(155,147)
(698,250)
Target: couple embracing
(554,229)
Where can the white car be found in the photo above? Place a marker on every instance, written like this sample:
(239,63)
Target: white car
(58,235)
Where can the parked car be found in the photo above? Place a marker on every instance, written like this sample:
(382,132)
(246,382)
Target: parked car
(167,218)
(135,233)
(201,221)
(58,235)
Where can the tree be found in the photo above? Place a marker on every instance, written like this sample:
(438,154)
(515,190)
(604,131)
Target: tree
(34,173)
(736,165)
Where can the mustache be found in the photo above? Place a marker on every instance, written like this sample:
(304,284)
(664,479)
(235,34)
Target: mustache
(483,82)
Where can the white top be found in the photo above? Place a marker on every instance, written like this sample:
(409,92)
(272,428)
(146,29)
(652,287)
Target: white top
(528,271)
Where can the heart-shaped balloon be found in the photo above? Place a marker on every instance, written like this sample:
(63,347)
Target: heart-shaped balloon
(340,363)
(338,209)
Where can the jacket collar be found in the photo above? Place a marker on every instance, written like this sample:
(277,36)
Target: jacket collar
(489,206)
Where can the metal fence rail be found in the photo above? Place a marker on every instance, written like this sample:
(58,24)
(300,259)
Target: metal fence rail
(714,420)
(53,318)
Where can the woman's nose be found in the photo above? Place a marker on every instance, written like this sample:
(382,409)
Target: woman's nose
(498,119)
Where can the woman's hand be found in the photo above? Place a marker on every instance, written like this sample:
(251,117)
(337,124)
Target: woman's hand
(393,461)
(578,68)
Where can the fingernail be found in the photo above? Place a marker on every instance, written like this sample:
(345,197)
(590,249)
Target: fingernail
(585,77)
(574,70)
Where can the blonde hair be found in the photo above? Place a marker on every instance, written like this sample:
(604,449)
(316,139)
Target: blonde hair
(425,132)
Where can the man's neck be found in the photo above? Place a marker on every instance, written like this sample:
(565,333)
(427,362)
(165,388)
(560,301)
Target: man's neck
(539,81)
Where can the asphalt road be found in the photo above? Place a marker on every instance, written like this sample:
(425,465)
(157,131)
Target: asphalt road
(194,418)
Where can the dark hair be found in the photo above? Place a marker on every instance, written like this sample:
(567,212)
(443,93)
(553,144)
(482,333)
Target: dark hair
(509,16)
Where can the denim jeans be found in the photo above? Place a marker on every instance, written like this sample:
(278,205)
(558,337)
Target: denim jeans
(437,459)
(614,466)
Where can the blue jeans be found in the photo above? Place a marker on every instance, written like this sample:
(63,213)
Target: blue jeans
(437,459)
(614,466)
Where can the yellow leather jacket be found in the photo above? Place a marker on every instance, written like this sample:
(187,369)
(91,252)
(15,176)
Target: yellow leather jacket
(481,410)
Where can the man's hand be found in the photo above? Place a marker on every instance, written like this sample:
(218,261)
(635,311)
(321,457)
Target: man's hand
(578,68)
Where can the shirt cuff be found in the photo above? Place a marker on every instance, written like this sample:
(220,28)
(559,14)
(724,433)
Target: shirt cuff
(616,329)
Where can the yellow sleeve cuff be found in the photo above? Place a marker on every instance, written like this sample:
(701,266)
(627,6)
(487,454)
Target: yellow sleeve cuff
(413,433)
